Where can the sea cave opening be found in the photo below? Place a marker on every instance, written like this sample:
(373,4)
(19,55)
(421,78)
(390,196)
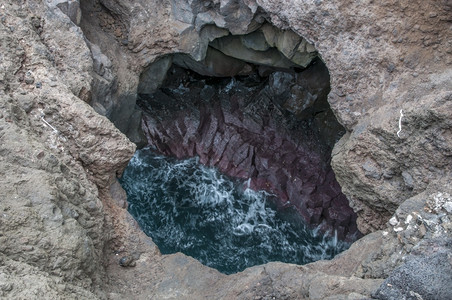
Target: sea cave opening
(236,171)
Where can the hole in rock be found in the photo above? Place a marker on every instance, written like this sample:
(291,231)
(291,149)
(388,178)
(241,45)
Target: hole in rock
(190,208)
(237,168)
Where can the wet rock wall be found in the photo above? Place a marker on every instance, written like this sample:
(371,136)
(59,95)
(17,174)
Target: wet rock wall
(383,56)
(267,130)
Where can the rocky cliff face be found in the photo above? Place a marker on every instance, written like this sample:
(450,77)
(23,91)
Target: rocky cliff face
(385,58)
(381,60)
(57,156)
(63,223)
(248,128)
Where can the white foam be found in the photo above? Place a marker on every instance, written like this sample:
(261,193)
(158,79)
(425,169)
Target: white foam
(243,229)
(172,200)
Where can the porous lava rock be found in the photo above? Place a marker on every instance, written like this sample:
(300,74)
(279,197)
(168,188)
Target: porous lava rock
(62,231)
(242,128)
(387,57)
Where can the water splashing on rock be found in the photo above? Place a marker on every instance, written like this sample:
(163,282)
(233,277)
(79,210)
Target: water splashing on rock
(187,207)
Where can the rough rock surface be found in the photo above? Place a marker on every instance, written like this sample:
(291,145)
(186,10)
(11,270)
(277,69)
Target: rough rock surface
(383,57)
(57,153)
(387,57)
(63,229)
(425,277)
(135,34)
(242,128)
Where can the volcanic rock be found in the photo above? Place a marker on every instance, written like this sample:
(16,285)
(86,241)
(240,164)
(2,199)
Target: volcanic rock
(236,132)
(60,228)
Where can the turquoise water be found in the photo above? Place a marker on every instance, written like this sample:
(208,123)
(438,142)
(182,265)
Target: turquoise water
(190,208)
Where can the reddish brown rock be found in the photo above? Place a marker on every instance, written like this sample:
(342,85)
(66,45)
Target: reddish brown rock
(243,140)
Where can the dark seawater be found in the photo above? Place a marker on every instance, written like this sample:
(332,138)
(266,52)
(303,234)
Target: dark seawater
(190,208)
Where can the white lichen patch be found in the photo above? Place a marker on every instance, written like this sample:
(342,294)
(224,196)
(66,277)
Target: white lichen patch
(448,206)
(440,201)
(393,221)
(409,218)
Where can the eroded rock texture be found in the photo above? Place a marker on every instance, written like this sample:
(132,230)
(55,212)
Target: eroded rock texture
(63,223)
(56,155)
(388,56)
(249,129)
(382,57)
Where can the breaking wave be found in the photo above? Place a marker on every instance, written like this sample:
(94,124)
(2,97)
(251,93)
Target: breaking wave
(190,208)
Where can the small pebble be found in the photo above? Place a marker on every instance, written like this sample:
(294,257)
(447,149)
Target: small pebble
(7,287)
(127,261)
(28,78)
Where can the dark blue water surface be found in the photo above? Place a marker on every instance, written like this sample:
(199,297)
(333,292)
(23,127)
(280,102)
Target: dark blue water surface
(190,208)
